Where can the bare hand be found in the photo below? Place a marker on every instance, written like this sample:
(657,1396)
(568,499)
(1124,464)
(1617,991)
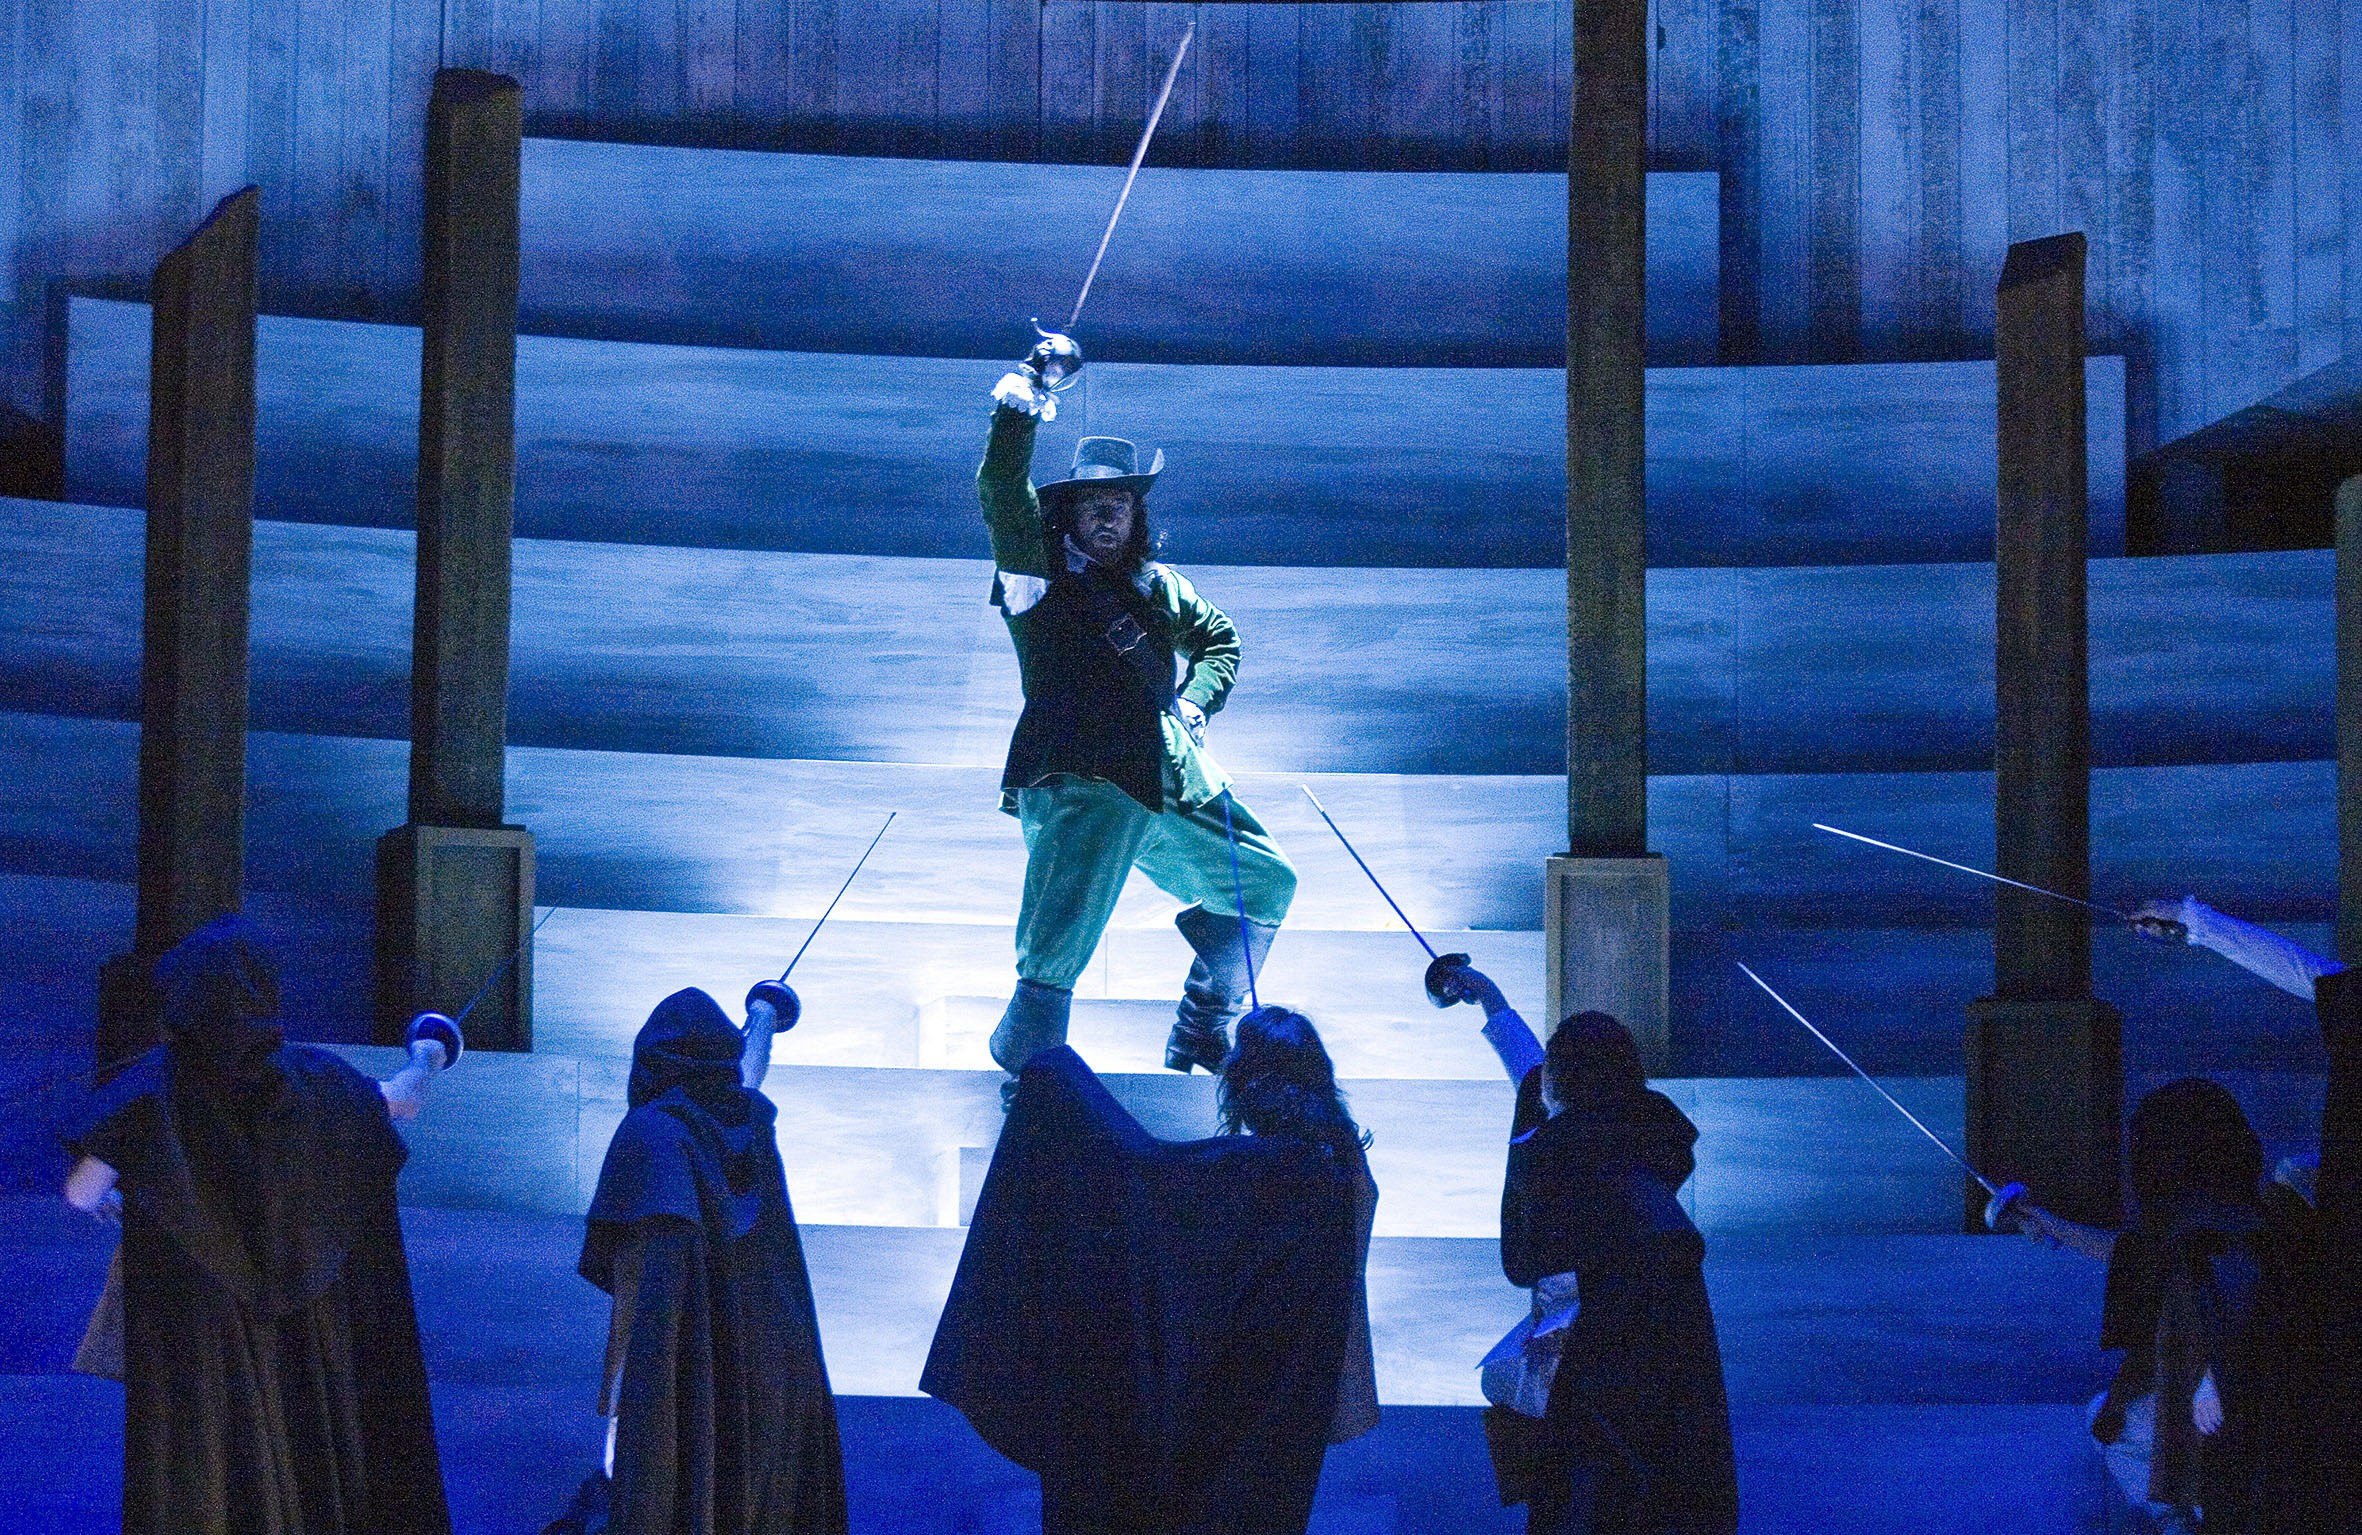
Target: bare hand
(2161,922)
(1192,718)
(2206,1405)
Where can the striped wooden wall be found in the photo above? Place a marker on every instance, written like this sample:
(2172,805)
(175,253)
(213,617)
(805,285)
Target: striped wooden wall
(1877,155)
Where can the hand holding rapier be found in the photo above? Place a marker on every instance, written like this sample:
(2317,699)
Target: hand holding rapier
(2161,922)
(436,1045)
(1451,979)
(772,1007)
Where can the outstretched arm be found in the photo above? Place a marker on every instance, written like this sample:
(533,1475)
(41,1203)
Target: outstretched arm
(405,1090)
(1510,1036)
(1004,484)
(2031,1220)
(771,1008)
(2286,964)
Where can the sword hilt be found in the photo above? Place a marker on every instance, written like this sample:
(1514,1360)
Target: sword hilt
(1054,360)
(1997,1208)
(786,1008)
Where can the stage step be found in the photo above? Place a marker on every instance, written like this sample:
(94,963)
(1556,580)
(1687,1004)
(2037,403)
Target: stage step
(1381,467)
(720,835)
(829,253)
(718,866)
(1883,668)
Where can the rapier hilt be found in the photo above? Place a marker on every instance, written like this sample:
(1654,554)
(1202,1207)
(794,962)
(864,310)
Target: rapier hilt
(786,1007)
(1054,360)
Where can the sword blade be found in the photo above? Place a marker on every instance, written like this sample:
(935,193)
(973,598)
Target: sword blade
(502,968)
(840,895)
(1365,868)
(1172,73)
(1998,879)
(1940,1144)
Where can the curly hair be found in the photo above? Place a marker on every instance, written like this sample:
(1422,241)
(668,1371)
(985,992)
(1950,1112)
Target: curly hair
(1278,1080)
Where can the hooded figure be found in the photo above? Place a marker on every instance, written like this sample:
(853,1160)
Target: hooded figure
(1162,1332)
(724,1419)
(271,1368)
(2212,1284)
(1636,1434)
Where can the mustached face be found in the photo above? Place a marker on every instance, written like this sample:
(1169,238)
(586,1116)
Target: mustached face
(1101,523)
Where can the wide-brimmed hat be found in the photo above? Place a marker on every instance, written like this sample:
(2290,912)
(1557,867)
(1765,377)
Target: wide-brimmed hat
(1105,463)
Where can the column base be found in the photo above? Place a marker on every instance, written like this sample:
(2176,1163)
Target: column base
(453,904)
(1607,936)
(2046,1105)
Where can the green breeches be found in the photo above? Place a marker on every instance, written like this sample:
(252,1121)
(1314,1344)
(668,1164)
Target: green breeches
(1083,838)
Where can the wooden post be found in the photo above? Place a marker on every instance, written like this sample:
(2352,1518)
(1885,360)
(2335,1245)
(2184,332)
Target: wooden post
(200,546)
(2045,1075)
(1606,906)
(455,885)
(2349,722)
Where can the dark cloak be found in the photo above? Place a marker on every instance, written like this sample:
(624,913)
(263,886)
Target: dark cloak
(2334,1492)
(1638,1420)
(1156,1329)
(273,1381)
(2218,1273)
(725,1421)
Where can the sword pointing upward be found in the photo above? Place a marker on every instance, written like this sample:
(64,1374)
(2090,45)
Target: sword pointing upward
(2004,1195)
(1172,73)
(1365,868)
(840,895)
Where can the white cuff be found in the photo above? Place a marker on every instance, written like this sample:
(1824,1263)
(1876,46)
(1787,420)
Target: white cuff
(1019,593)
(1016,390)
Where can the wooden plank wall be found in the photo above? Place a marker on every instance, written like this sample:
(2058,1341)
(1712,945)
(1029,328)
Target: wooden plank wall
(1877,155)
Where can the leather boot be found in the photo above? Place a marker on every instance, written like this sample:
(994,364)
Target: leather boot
(1217,990)
(1034,1021)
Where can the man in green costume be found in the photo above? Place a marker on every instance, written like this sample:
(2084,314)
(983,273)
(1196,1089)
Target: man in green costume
(1122,663)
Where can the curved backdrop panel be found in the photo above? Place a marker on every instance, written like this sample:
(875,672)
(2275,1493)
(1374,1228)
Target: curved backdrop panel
(625,442)
(947,258)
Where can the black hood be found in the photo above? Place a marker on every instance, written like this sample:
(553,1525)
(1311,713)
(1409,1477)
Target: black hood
(689,1043)
(219,993)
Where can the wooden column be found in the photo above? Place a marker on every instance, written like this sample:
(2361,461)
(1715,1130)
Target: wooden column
(455,885)
(192,738)
(1606,900)
(2349,722)
(2045,1078)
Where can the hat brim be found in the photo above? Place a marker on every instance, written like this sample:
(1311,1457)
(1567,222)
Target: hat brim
(1061,490)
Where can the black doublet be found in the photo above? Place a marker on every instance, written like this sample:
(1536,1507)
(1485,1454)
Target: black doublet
(1095,655)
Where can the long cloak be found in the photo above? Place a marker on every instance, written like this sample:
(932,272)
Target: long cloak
(725,1420)
(1155,1329)
(1638,1416)
(273,1383)
(2331,1493)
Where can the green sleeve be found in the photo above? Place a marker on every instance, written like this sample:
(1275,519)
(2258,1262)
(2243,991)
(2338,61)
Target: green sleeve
(1205,636)
(1004,484)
